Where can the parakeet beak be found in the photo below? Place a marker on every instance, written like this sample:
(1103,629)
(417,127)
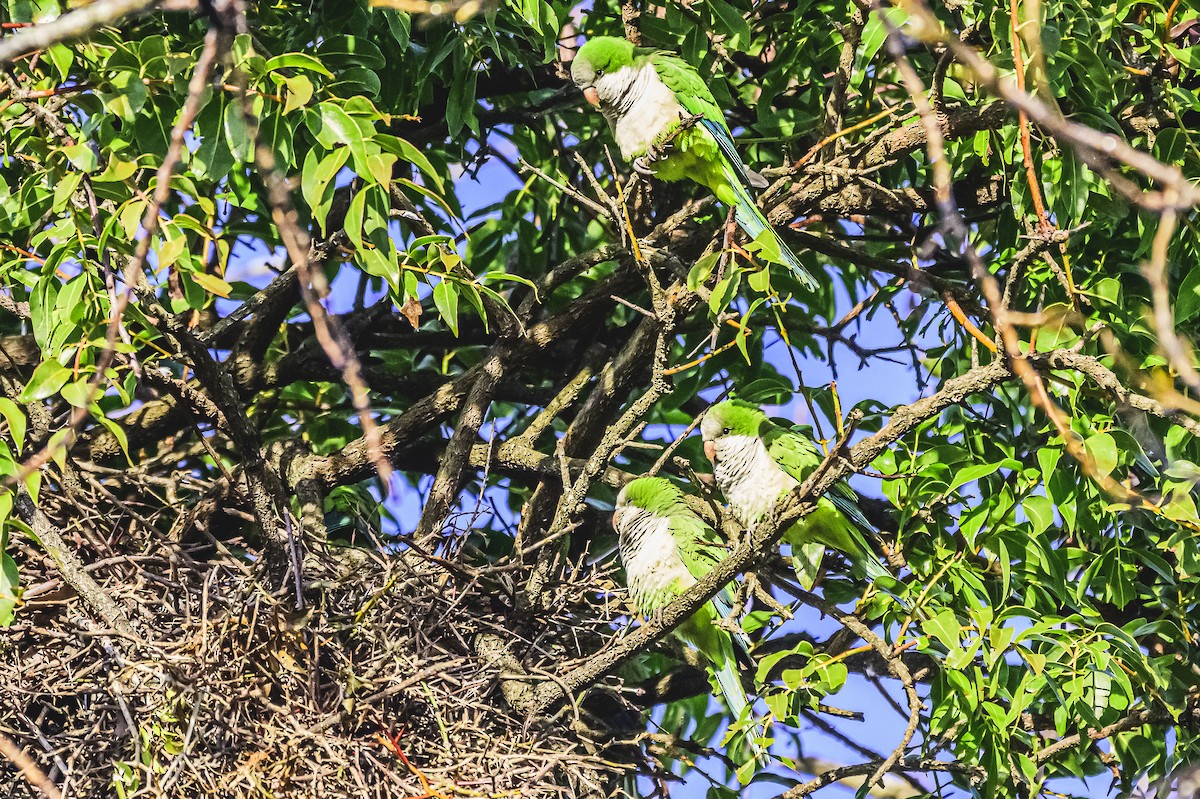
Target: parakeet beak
(710,450)
(616,517)
(592,96)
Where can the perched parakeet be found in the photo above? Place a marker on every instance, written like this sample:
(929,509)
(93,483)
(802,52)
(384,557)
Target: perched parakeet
(646,95)
(755,461)
(665,549)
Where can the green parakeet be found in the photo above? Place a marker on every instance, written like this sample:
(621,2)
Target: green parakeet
(665,549)
(755,461)
(645,95)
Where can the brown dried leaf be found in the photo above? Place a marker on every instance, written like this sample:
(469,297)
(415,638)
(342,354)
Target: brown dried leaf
(411,310)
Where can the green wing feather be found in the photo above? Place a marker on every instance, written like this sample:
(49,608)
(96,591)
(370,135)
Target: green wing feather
(690,89)
(723,170)
(795,454)
(701,550)
(837,522)
(694,95)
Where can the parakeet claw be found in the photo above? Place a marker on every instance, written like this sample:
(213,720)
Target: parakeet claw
(641,165)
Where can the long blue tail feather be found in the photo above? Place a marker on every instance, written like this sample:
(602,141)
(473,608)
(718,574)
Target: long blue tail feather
(751,220)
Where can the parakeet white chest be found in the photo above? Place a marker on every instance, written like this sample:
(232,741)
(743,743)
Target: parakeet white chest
(639,108)
(749,477)
(654,569)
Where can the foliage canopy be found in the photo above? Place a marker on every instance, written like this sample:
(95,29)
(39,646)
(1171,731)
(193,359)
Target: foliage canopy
(264,264)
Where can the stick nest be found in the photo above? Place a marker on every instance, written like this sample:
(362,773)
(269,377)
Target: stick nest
(376,688)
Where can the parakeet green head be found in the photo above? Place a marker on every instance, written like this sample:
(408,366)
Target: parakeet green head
(730,418)
(645,496)
(600,58)
(650,493)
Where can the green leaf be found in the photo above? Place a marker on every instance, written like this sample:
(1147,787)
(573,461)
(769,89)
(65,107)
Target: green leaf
(460,103)
(77,393)
(944,627)
(278,132)
(10,580)
(47,379)
(1040,511)
(82,156)
(302,61)
(356,50)
(299,92)
(729,20)
(773,390)
(380,168)
(316,181)
(700,272)
(237,135)
(445,298)
(116,170)
(972,473)
(1187,298)
(874,34)
(125,96)
(213,158)
(407,152)
(65,190)
(211,283)
(724,292)
(16,422)
(333,127)
(354,218)
(1072,189)
(62,58)
(117,430)
(1103,449)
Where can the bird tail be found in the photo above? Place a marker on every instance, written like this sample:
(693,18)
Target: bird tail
(729,680)
(876,571)
(756,226)
(842,526)
(725,669)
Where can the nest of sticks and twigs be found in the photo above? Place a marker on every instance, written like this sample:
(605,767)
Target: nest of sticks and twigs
(375,687)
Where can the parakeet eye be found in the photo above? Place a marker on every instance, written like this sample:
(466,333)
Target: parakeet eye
(599,73)
(725,431)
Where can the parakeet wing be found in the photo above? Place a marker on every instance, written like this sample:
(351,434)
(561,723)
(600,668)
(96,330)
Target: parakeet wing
(797,455)
(697,543)
(845,500)
(692,93)
(690,90)
(794,453)
(701,551)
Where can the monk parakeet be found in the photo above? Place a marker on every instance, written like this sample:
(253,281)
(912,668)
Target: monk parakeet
(665,549)
(755,461)
(646,95)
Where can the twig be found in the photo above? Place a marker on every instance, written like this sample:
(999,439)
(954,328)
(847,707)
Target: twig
(455,460)
(835,103)
(72,570)
(570,191)
(957,236)
(313,288)
(1099,150)
(29,769)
